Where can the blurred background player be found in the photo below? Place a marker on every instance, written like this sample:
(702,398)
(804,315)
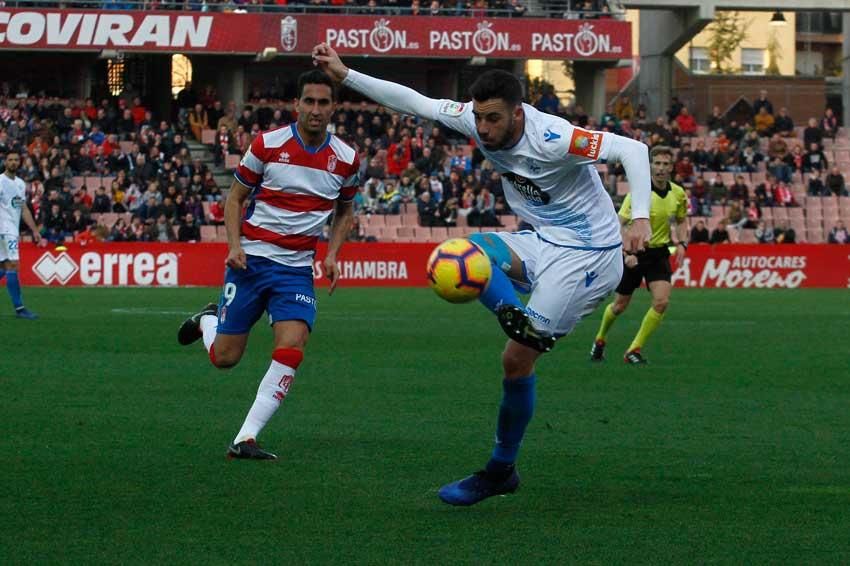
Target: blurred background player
(669,206)
(293,178)
(12,209)
(572,261)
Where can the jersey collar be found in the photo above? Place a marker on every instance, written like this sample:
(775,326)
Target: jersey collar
(662,193)
(307,148)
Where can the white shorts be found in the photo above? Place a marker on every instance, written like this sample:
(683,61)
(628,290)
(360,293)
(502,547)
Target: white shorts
(9,247)
(567,284)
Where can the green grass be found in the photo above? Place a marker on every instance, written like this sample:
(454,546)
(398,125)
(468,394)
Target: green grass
(732,447)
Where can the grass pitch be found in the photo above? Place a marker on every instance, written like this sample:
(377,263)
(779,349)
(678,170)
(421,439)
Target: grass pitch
(733,446)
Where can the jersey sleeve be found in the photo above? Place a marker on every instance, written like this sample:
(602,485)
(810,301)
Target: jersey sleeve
(626,208)
(351,184)
(682,206)
(455,115)
(252,166)
(580,145)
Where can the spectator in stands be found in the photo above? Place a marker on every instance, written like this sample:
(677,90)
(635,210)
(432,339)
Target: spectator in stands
(764,233)
(548,101)
(716,122)
(76,222)
(198,121)
(764,122)
(623,108)
(784,234)
(685,169)
(829,124)
(813,134)
(216,214)
(782,195)
(389,202)
(189,230)
(753,212)
(161,230)
(428,210)
(149,211)
(795,158)
(699,233)
(739,190)
(720,235)
(784,125)
(816,187)
(814,159)
(735,217)
(838,234)
(517,10)
(120,232)
(102,202)
(224,145)
(138,230)
(762,102)
(54,221)
(687,123)
(835,182)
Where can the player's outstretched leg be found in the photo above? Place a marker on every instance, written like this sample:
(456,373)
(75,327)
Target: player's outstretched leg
(519,395)
(517,325)
(191,331)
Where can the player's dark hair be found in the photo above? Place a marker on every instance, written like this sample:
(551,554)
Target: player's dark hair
(497,84)
(661,150)
(315,77)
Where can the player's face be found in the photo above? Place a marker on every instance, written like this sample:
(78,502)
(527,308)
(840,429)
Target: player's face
(662,167)
(13,161)
(315,108)
(495,121)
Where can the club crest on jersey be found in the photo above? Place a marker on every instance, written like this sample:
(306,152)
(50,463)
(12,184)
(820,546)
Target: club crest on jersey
(331,163)
(585,143)
(284,157)
(451,108)
(529,191)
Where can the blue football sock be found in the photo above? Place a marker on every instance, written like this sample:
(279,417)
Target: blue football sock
(514,415)
(14,288)
(499,292)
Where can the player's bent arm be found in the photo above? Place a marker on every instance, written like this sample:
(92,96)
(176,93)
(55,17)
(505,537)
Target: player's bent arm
(682,231)
(393,95)
(634,156)
(233,206)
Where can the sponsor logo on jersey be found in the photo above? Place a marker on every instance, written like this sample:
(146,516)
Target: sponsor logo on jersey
(589,278)
(331,163)
(537,316)
(284,157)
(451,108)
(586,144)
(17,202)
(549,135)
(302,298)
(529,191)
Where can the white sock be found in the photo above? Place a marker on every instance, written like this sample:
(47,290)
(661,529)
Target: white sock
(209,323)
(273,389)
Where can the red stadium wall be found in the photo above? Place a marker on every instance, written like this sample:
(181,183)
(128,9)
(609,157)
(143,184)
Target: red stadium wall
(403,265)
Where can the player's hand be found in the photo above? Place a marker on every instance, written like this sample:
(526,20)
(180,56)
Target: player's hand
(328,61)
(631,261)
(36,237)
(331,271)
(680,254)
(236,259)
(637,236)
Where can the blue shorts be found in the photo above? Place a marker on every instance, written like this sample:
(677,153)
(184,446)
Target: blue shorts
(286,293)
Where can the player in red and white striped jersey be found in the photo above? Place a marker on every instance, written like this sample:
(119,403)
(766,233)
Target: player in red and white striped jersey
(291,179)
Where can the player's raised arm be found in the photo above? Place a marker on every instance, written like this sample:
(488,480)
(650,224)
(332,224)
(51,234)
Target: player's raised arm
(634,156)
(392,95)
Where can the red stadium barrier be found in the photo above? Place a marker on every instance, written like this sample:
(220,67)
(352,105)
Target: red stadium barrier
(403,265)
(296,34)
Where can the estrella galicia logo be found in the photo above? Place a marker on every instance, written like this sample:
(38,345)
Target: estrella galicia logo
(529,191)
(549,135)
(589,277)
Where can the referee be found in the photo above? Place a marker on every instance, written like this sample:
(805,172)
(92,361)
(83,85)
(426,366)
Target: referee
(669,205)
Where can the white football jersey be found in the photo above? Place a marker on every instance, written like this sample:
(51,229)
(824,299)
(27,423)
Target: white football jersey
(12,199)
(548,176)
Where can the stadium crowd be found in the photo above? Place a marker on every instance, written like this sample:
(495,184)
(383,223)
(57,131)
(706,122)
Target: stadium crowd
(110,170)
(577,9)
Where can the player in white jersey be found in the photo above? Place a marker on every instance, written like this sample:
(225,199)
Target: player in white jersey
(13,207)
(572,260)
(291,178)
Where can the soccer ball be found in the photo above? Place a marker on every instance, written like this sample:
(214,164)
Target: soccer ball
(458,270)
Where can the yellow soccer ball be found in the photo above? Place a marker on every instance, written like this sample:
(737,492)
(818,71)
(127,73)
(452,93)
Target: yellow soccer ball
(458,270)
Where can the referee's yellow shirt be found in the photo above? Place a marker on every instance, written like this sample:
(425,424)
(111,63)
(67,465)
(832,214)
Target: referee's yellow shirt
(663,211)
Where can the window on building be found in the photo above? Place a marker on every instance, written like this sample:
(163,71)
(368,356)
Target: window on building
(700,62)
(181,73)
(752,61)
(115,75)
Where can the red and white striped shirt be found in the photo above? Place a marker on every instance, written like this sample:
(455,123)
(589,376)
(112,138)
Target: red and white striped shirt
(294,192)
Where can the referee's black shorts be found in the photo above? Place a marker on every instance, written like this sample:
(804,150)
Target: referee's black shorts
(653,265)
